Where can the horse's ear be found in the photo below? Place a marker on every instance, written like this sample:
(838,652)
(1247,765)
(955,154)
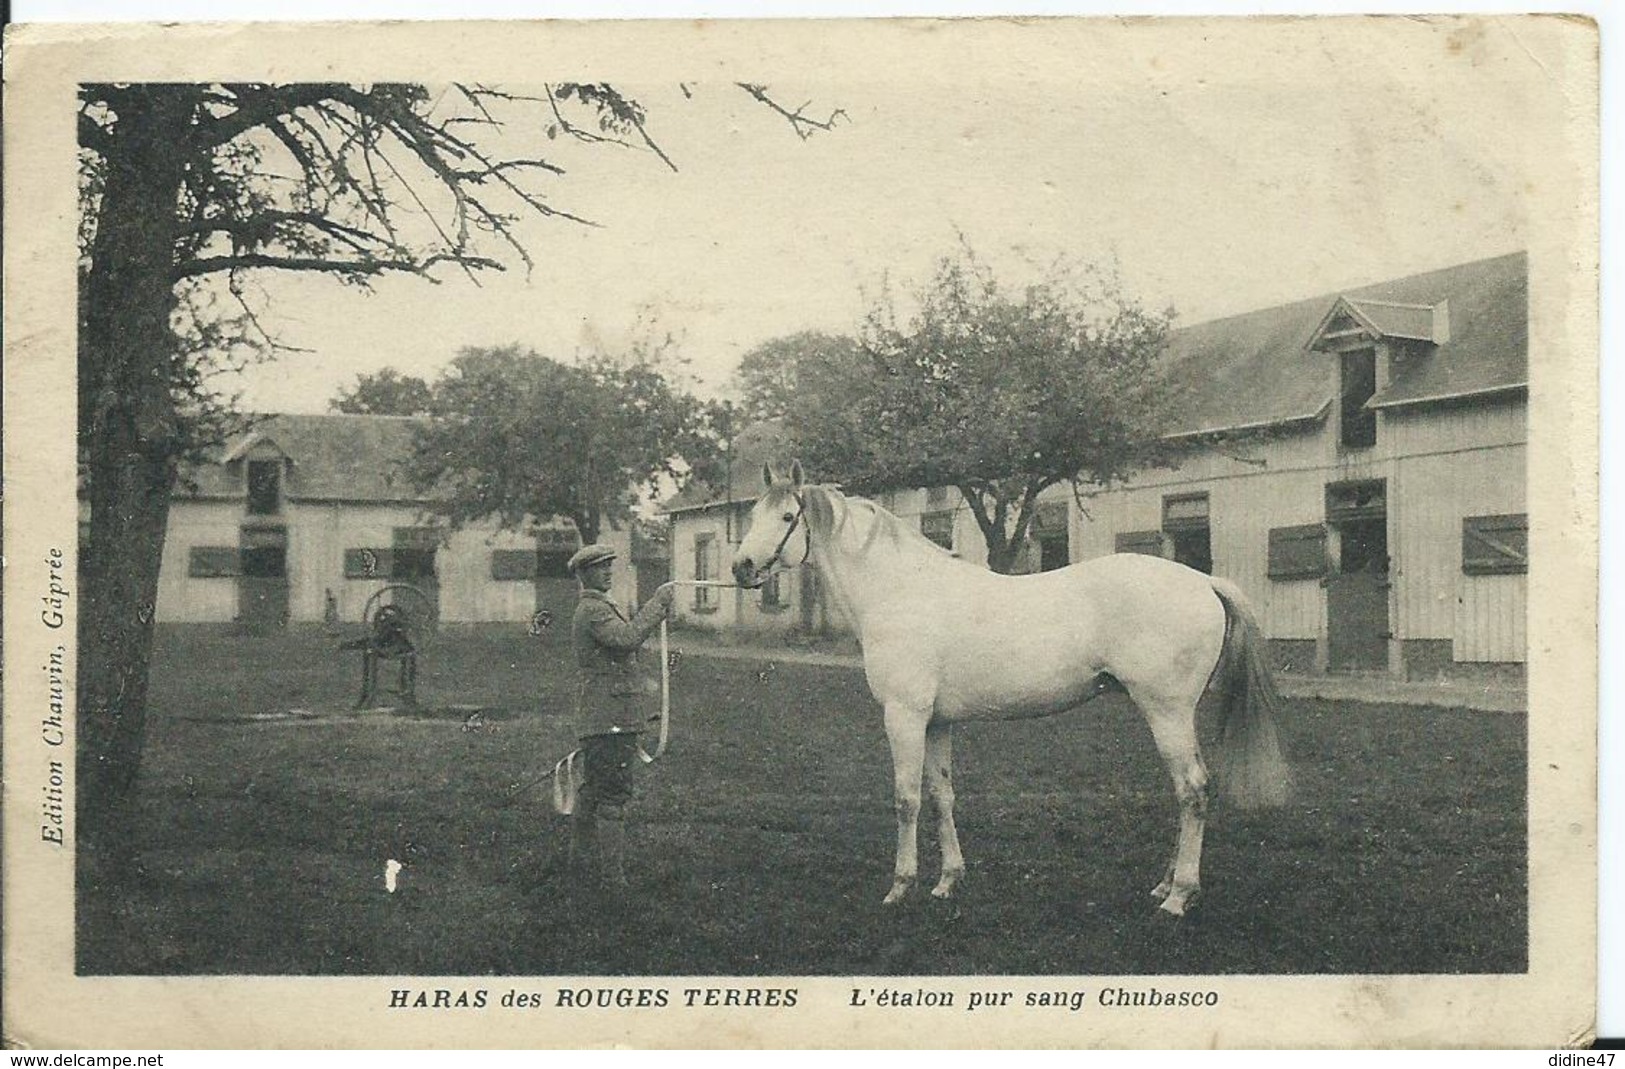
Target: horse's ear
(767,474)
(795,474)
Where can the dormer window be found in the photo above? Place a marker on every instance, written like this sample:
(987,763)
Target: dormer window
(1359,385)
(264,487)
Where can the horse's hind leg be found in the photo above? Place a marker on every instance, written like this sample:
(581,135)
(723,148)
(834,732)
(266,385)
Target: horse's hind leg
(905,730)
(1173,725)
(939,768)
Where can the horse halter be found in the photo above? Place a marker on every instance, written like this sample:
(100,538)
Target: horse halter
(778,551)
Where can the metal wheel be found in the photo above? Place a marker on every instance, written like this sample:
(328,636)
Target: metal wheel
(416,610)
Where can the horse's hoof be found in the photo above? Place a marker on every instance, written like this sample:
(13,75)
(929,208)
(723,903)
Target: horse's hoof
(1178,904)
(899,891)
(1161,891)
(945,885)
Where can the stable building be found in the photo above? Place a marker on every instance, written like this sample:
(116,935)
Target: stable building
(1354,461)
(302,518)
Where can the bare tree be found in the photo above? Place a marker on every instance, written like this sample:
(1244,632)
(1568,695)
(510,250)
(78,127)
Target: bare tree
(190,191)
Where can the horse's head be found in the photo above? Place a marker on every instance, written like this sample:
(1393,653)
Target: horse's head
(778,536)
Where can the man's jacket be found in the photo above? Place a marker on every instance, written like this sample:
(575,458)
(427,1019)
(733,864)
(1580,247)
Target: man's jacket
(609,696)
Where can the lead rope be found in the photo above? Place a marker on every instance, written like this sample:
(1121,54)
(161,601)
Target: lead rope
(665,671)
(665,701)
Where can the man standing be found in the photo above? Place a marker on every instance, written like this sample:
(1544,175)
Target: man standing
(608,710)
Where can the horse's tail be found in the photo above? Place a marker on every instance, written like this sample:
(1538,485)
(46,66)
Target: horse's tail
(1252,770)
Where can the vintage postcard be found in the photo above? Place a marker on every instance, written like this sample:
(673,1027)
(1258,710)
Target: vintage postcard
(972,533)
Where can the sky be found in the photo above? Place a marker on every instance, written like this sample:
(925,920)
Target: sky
(1214,188)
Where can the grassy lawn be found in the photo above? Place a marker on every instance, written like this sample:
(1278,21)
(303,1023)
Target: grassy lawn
(763,841)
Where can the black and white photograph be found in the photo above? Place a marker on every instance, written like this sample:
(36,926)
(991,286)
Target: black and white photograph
(892,532)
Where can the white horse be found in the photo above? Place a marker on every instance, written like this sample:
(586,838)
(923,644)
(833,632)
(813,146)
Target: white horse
(944,641)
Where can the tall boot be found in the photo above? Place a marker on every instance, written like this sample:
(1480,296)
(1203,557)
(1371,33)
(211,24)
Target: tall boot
(614,847)
(584,838)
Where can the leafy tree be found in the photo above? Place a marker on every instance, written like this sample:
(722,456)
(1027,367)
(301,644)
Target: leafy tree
(191,192)
(385,392)
(784,373)
(516,436)
(1001,393)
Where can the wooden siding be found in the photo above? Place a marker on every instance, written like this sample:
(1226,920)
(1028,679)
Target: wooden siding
(468,593)
(1435,600)
(181,597)
(1439,464)
(1491,619)
(318,535)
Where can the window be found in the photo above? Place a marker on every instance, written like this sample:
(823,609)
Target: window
(936,495)
(213,562)
(513,565)
(1359,424)
(939,528)
(1495,545)
(1151,543)
(562,539)
(1185,520)
(264,487)
(1298,552)
(1364,500)
(1050,529)
(705,546)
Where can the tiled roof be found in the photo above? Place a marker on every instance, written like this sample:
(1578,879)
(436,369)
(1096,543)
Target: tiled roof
(334,458)
(1254,369)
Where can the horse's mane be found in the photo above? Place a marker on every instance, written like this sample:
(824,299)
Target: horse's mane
(884,522)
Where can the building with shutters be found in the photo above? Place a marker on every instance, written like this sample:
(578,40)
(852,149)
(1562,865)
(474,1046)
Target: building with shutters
(1354,461)
(708,523)
(302,518)
(1356,464)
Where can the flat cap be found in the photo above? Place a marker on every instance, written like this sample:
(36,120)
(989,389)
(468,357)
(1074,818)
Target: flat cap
(587,556)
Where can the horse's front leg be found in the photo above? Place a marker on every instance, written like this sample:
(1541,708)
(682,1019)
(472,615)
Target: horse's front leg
(905,730)
(939,771)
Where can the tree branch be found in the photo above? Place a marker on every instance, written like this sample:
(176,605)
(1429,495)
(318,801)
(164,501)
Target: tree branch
(803,124)
(359,268)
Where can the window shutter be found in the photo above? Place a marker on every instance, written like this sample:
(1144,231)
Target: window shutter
(1298,552)
(1150,543)
(513,565)
(368,563)
(213,562)
(1495,545)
